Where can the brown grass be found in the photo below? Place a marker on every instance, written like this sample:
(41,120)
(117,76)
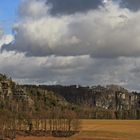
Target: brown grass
(101,130)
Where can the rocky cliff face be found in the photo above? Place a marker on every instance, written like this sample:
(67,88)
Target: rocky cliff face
(115,97)
(109,97)
(10,90)
(121,102)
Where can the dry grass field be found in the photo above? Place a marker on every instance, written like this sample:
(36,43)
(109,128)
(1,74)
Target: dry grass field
(102,130)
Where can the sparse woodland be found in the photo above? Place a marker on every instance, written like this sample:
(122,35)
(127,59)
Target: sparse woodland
(36,112)
(57,110)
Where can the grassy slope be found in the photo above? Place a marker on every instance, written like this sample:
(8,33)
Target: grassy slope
(103,130)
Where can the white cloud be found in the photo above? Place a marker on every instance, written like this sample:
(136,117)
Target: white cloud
(33,9)
(109,31)
(50,69)
(5,39)
(71,70)
(97,47)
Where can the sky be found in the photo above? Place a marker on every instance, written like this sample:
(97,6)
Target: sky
(86,42)
(8,14)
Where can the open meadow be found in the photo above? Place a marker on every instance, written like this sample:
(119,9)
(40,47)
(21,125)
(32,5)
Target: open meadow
(101,130)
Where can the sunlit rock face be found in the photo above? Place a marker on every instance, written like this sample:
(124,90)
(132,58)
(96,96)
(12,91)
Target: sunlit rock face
(116,99)
(9,90)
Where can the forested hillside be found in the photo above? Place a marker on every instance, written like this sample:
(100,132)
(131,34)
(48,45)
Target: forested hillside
(110,102)
(33,111)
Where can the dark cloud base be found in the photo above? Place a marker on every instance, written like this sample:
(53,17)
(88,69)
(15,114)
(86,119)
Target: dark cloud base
(133,5)
(72,6)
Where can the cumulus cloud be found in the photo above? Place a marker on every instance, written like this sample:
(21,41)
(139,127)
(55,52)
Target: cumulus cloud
(66,70)
(33,9)
(99,46)
(109,31)
(49,70)
(5,39)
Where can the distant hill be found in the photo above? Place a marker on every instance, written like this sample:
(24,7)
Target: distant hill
(110,102)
